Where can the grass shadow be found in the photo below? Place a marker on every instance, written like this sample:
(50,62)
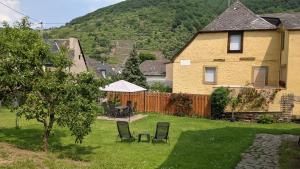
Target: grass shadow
(214,148)
(31,139)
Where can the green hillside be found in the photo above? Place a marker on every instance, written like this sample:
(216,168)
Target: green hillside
(163,25)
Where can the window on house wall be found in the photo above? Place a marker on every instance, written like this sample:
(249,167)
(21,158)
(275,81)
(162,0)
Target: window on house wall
(103,73)
(210,75)
(260,76)
(235,42)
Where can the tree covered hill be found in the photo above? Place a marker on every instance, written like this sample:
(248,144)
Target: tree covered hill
(164,25)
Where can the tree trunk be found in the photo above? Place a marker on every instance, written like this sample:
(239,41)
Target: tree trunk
(17,121)
(46,138)
(16,104)
(48,127)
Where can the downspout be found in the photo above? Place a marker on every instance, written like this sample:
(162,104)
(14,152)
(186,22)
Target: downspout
(280,56)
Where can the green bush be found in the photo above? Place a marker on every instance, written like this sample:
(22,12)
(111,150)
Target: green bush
(100,111)
(160,87)
(219,101)
(146,56)
(182,104)
(251,99)
(265,119)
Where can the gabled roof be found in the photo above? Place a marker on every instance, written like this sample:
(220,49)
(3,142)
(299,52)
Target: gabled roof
(154,67)
(238,18)
(290,21)
(57,44)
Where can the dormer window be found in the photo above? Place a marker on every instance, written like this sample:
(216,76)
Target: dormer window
(235,42)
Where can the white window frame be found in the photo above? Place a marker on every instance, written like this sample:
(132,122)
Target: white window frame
(235,42)
(205,80)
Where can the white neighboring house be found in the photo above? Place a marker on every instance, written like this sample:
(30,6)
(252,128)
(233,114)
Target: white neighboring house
(75,53)
(155,71)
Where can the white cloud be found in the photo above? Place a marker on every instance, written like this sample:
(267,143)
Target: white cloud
(7,14)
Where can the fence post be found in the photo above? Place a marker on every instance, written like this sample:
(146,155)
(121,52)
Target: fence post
(144,101)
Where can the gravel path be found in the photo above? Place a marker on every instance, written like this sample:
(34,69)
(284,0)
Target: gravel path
(263,154)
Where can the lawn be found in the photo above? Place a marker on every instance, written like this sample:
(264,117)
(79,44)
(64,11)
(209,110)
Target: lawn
(289,155)
(195,143)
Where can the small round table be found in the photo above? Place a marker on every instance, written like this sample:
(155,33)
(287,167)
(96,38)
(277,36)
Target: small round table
(146,134)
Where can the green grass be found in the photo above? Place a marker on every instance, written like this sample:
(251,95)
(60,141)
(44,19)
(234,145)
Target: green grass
(195,143)
(289,155)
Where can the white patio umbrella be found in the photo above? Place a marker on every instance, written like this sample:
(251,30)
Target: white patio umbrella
(123,86)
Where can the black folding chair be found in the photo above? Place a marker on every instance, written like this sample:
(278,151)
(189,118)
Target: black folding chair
(125,112)
(113,111)
(124,131)
(162,132)
(130,106)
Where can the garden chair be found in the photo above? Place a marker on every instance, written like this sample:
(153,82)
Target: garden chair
(125,112)
(112,110)
(124,131)
(131,109)
(162,132)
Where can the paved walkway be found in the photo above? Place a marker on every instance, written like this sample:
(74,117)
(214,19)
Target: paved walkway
(263,154)
(132,118)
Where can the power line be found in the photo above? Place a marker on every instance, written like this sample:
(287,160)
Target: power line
(21,13)
(32,18)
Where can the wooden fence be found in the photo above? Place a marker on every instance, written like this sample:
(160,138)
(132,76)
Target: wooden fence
(160,102)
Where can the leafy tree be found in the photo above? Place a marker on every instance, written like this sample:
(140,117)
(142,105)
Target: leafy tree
(22,54)
(164,25)
(132,72)
(51,95)
(160,87)
(68,100)
(146,56)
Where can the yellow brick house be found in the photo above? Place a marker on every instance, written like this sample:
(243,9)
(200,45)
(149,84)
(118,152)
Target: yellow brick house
(241,48)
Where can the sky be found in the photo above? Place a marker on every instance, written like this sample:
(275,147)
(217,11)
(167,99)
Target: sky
(50,11)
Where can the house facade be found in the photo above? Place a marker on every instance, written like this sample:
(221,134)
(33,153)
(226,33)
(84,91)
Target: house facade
(76,54)
(240,48)
(157,71)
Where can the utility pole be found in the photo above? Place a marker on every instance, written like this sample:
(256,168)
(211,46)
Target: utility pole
(41,29)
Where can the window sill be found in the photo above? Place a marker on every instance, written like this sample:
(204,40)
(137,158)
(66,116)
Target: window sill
(234,51)
(210,83)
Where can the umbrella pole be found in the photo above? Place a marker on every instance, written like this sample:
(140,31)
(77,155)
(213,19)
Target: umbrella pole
(131,103)
(115,104)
